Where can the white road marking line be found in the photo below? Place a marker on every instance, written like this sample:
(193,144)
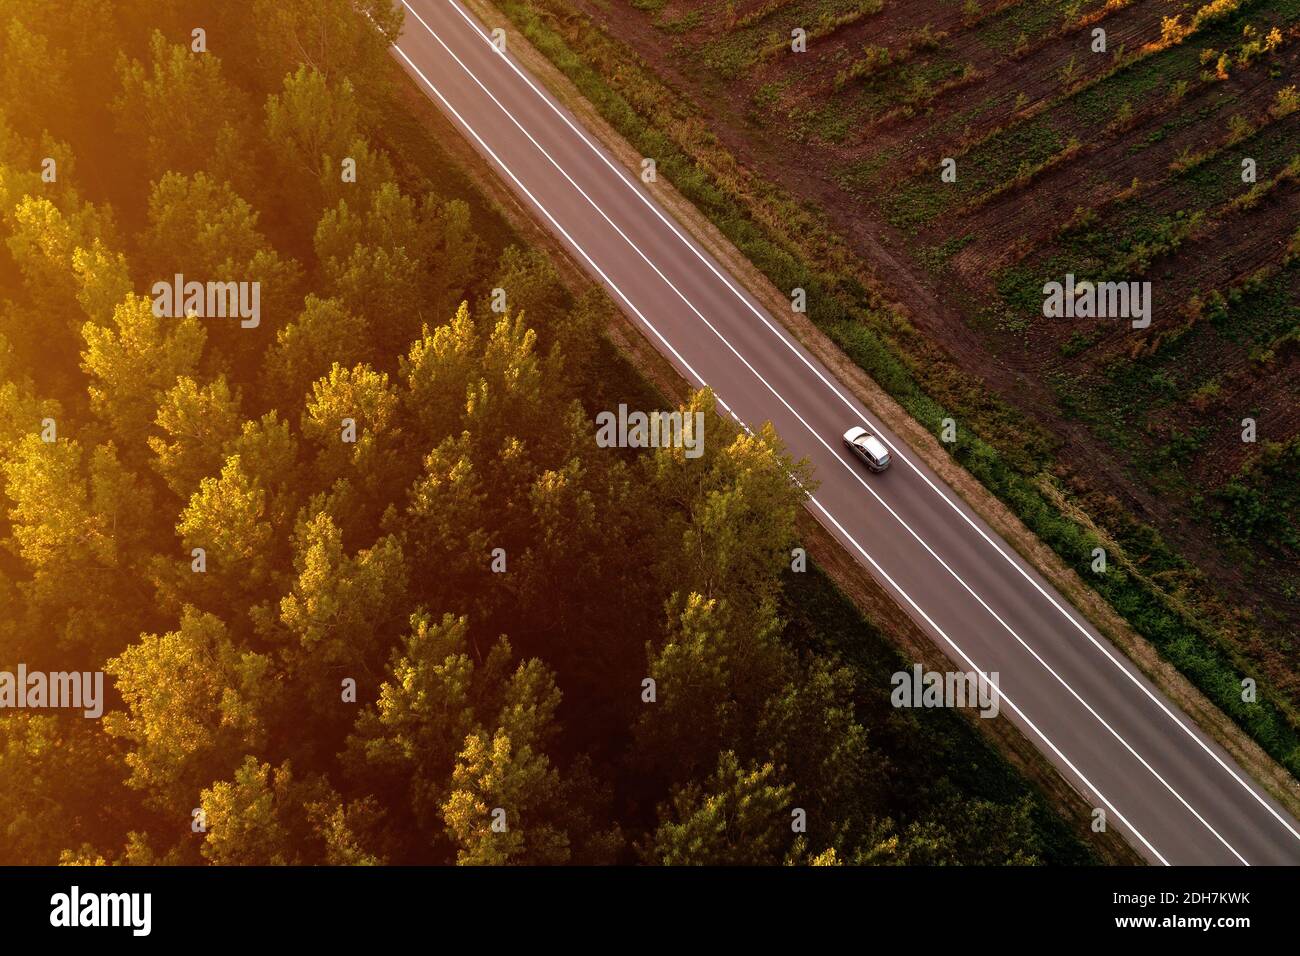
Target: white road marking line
(852,470)
(1082,777)
(622,175)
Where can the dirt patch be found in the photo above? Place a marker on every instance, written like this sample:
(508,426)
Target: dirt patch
(948,312)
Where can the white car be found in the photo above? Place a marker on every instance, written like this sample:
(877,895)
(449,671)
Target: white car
(868,447)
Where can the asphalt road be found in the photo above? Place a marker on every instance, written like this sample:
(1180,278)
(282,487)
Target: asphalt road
(1175,795)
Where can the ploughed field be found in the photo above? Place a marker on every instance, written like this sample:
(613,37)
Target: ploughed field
(1166,151)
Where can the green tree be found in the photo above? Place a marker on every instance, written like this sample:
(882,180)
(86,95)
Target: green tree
(46,240)
(727,689)
(406,744)
(267,816)
(228,518)
(79,527)
(28,63)
(338,616)
(352,420)
(503,805)
(456,732)
(200,228)
(325,334)
(533,285)
(312,126)
(104,281)
(341,39)
(134,363)
(734,514)
(399,264)
(970,832)
(438,370)
(60,785)
(738,817)
(197,425)
(180,114)
(444,527)
(195,704)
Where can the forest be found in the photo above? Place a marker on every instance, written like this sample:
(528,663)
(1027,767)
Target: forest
(364,586)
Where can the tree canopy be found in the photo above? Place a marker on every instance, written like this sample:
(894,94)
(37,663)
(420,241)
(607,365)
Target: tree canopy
(364,585)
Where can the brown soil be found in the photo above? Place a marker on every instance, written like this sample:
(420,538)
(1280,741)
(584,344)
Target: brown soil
(1106,169)
(969,114)
(942,310)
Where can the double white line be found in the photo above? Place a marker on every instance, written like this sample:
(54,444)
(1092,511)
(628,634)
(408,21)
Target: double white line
(833,451)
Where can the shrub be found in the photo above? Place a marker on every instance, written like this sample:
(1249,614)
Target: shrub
(1286,102)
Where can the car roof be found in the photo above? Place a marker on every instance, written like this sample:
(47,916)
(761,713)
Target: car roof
(874,445)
